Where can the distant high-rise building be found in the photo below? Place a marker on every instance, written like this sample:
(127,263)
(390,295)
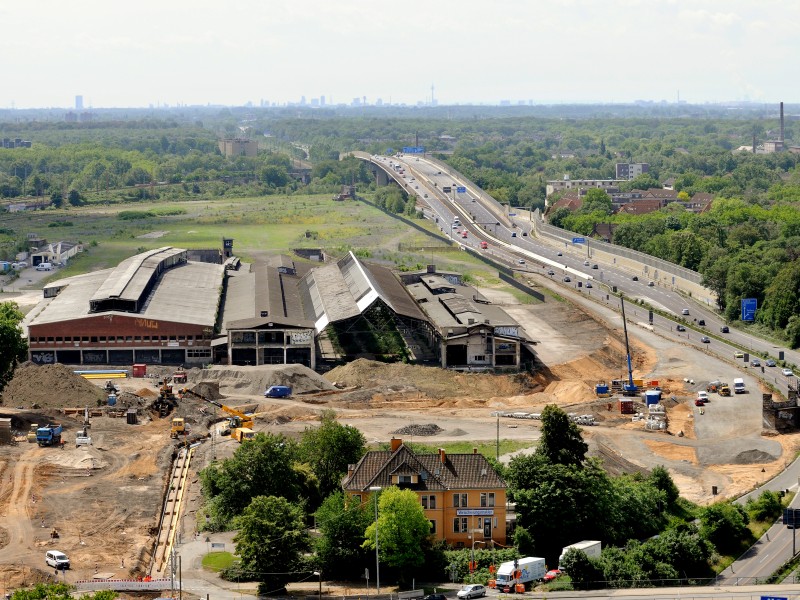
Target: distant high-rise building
(631,170)
(78,102)
(322,100)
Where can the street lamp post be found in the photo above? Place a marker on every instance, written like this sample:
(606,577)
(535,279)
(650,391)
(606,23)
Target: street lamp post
(319,575)
(375,490)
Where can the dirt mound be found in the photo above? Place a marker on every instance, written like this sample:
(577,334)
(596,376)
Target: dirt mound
(50,386)
(422,430)
(255,380)
(751,457)
(433,381)
(208,389)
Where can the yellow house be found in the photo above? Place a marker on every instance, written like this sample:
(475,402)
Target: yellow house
(462,496)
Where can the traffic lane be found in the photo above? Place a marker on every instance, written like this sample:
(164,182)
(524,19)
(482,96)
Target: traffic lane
(763,558)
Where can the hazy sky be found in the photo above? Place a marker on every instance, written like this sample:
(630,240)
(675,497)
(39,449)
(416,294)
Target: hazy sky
(130,54)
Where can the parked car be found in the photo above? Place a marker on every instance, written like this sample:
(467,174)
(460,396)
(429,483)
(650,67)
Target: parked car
(551,575)
(705,340)
(724,329)
(680,328)
(769,363)
(471,591)
(787,372)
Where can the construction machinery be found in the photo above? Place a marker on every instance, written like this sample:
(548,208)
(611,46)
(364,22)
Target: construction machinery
(179,376)
(243,433)
(724,390)
(32,432)
(49,435)
(178,428)
(236,419)
(165,389)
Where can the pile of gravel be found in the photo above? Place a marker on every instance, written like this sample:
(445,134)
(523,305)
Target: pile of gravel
(421,430)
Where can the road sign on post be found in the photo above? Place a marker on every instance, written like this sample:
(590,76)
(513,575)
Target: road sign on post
(461,189)
(578,240)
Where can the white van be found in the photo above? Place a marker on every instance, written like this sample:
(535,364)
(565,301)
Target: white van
(57,559)
(45,266)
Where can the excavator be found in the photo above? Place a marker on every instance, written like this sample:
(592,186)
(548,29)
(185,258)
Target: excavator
(236,420)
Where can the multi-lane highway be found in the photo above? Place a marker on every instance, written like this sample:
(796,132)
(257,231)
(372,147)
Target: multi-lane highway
(509,238)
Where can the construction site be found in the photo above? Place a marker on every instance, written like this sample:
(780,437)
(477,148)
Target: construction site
(113,480)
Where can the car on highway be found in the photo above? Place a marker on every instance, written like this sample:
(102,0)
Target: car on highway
(588,284)
(559,254)
(702,323)
(521,261)
(424,195)
(567,279)
(754,362)
(651,283)
(455,226)
(551,272)
(635,278)
(787,372)
(595,266)
(738,354)
(680,328)
(685,311)
(705,340)
(724,329)
(471,591)
(416,187)
(769,363)
(586,263)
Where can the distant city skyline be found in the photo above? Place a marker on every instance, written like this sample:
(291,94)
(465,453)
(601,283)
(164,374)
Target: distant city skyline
(449,52)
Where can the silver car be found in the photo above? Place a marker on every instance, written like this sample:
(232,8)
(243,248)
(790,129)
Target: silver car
(471,591)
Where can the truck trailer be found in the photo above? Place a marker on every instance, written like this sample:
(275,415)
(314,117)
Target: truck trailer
(516,576)
(591,548)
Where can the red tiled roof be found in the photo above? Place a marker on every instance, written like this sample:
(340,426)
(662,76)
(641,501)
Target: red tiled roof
(641,207)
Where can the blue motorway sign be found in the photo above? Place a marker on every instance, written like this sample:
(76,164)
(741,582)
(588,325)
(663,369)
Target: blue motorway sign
(773,598)
(749,306)
(578,240)
(413,150)
(461,189)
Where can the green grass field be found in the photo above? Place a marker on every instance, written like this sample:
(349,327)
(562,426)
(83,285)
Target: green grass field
(217,561)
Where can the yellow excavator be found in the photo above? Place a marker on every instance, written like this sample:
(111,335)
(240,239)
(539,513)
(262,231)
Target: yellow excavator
(236,420)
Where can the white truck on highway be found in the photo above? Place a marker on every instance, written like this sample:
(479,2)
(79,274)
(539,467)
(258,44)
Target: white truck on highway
(591,548)
(526,571)
(738,386)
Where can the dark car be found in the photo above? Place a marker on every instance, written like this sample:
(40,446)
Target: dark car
(567,279)
(702,323)
(588,284)
(705,340)
(754,362)
(551,272)
(635,278)
(724,329)
(769,362)
(680,328)
(435,597)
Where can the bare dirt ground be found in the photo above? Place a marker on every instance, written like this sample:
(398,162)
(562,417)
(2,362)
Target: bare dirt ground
(104,501)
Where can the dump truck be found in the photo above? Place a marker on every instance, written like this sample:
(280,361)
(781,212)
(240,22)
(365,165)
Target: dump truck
(178,428)
(179,376)
(517,575)
(49,435)
(591,548)
(243,433)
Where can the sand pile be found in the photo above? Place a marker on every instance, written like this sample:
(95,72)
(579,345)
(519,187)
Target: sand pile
(432,381)
(50,386)
(255,380)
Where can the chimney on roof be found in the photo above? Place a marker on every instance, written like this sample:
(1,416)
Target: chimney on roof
(351,468)
(431,269)
(396,443)
(442,456)
(474,450)
(781,121)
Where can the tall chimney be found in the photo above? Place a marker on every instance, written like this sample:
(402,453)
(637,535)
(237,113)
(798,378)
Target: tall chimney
(442,456)
(781,121)
(395,444)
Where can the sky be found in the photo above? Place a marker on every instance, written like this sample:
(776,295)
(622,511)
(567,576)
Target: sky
(231,52)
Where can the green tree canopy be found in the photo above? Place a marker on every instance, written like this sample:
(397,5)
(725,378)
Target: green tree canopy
(342,524)
(271,541)
(329,448)
(561,441)
(403,530)
(13,347)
